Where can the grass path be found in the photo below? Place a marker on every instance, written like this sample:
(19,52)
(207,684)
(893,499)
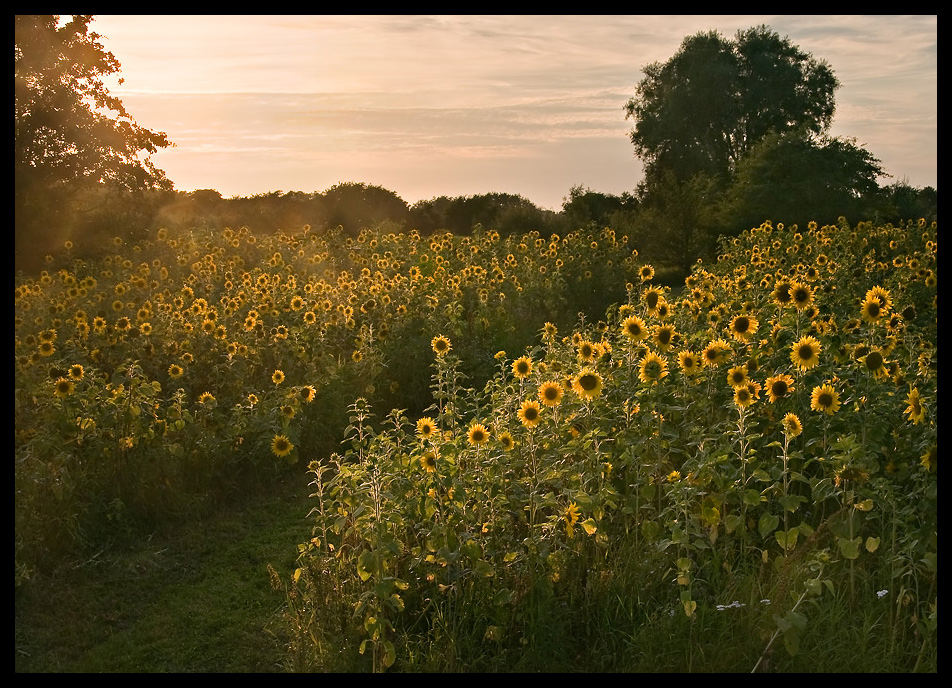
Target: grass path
(197,601)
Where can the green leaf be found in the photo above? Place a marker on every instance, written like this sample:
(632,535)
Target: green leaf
(849,548)
(872,544)
(588,525)
(767,524)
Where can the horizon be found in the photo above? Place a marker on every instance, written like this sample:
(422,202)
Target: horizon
(263,104)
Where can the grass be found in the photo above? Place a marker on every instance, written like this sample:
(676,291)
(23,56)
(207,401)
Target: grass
(195,601)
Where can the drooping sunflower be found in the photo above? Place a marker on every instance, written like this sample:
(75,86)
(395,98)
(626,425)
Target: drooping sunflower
(653,298)
(441,345)
(652,368)
(743,327)
(550,393)
(778,387)
(781,293)
(307,393)
(825,399)
(805,353)
(521,367)
(875,364)
(791,425)
(206,398)
(634,328)
(571,516)
(281,446)
(426,427)
(530,413)
(587,384)
(915,411)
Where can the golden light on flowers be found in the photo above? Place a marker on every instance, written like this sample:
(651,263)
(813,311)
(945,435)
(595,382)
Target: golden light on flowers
(63,387)
(778,387)
(277,377)
(440,344)
(715,353)
(634,328)
(805,353)
(586,351)
(587,384)
(530,413)
(871,309)
(690,362)
(571,516)
(428,461)
(505,439)
(646,273)
(915,411)
(652,368)
(550,393)
(737,376)
(791,425)
(881,295)
(426,427)
(478,435)
(663,336)
(76,372)
(175,370)
(281,446)
(875,364)
(206,398)
(825,399)
(521,367)
(801,295)
(743,327)
(307,394)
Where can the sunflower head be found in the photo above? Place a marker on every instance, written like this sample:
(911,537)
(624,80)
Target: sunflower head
(587,384)
(806,352)
(441,345)
(550,393)
(530,413)
(478,435)
(521,367)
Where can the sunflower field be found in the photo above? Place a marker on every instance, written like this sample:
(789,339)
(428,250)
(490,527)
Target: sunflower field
(525,453)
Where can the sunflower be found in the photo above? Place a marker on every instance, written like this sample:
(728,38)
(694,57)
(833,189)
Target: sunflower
(875,364)
(307,394)
(825,399)
(778,387)
(634,328)
(664,336)
(737,376)
(550,393)
(715,353)
(175,370)
(440,344)
(428,461)
(929,459)
(426,427)
(505,439)
(743,396)
(652,368)
(281,446)
(478,435)
(47,348)
(587,384)
(63,387)
(791,425)
(587,351)
(690,362)
(530,413)
(206,398)
(653,298)
(781,293)
(521,367)
(881,295)
(806,352)
(277,377)
(801,295)
(743,327)
(571,516)
(871,309)
(76,372)
(915,410)
(646,273)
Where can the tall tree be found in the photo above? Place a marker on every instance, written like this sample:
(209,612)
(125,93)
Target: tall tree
(707,106)
(71,134)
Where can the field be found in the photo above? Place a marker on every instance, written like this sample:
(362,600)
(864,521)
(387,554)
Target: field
(524,453)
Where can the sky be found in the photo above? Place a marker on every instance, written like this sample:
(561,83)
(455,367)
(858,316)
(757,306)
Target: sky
(456,105)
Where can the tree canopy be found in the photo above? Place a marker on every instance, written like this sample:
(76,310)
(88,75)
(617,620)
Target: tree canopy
(709,104)
(71,135)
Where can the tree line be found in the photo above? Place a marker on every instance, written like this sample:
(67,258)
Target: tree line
(731,132)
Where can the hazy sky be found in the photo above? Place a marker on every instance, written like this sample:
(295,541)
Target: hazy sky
(457,105)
